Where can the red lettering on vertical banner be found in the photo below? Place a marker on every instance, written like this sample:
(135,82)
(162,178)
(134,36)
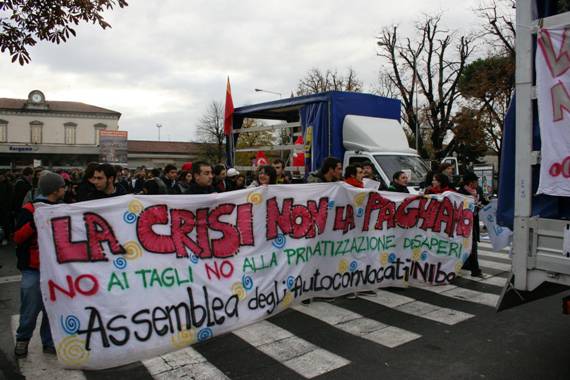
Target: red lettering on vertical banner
(560,168)
(558,62)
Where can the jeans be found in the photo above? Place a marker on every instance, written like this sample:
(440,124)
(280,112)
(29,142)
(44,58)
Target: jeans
(30,306)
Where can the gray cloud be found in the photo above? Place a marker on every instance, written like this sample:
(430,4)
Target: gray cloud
(165,61)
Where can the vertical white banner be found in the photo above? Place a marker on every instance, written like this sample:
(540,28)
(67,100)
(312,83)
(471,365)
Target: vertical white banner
(500,236)
(552,83)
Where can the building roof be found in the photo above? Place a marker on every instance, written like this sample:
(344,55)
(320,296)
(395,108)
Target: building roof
(173,147)
(54,106)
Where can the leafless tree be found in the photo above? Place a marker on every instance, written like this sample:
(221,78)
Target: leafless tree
(316,81)
(386,86)
(210,129)
(499,28)
(428,67)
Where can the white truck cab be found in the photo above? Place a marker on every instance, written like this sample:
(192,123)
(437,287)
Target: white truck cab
(383,143)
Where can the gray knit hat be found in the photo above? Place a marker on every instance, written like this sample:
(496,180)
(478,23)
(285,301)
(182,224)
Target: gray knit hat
(50,182)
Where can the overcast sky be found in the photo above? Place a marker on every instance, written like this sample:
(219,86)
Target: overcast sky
(165,61)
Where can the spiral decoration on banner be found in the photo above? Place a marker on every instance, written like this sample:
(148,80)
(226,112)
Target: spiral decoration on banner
(342,266)
(359,212)
(70,324)
(287,300)
(330,204)
(247,282)
(120,263)
(290,282)
(135,206)
(194,259)
(239,290)
(255,198)
(279,241)
(129,217)
(424,256)
(416,254)
(71,351)
(359,199)
(353,266)
(384,258)
(134,250)
(183,339)
(458,266)
(392,258)
(205,334)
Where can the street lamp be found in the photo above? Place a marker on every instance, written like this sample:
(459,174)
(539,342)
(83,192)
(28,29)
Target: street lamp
(158,126)
(269,92)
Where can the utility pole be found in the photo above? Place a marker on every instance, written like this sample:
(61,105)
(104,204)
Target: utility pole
(158,126)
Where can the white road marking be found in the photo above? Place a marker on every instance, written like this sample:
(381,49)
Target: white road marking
(497,255)
(494,265)
(183,363)
(293,352)
(356,324)
(463,294)
(38,365)
(9,279)
(488,280)
(489,246)
(418,308)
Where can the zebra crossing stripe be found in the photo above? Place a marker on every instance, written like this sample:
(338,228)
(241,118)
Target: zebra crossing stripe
(494,255)
(293,352)
(183,363)
(494,265)
(493,280)
(418,308)
(463,294)
(39,365)
(9,279)
(489,246)
(355,324)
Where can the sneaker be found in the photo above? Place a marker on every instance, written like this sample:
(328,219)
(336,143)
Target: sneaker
(370,293)
(477,274)
(49,350)
(21,349)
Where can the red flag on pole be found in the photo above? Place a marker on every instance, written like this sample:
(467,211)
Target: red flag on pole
(228,110)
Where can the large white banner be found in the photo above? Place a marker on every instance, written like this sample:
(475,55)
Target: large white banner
(132,277)
(552,84)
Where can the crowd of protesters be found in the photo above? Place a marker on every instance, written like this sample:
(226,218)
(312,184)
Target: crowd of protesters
(98,181)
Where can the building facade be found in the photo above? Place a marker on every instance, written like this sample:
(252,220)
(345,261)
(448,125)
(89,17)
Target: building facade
(157,154)
(54,134)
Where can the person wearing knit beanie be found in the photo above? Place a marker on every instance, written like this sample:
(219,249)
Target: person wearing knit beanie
(50,182)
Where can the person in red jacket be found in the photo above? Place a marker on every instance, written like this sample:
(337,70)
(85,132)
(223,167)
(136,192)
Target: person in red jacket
(353,175)
(52,190)
(439,184)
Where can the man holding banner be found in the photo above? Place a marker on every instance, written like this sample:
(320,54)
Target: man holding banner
(52,191)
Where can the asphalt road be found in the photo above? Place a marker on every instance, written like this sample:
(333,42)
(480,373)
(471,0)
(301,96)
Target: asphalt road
(450,332)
